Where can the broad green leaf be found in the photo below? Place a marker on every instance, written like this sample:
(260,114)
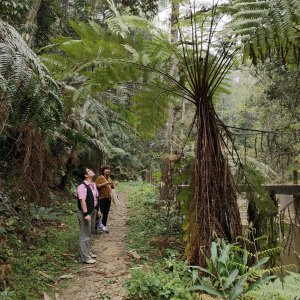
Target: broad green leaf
(260,282)
(238,288)
(214,251)
(261,262)
(209,289)
(225,254)
(208,272)
(245,258)
(231,278)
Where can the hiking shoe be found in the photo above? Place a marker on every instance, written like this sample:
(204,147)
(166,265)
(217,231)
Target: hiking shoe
(103,228)
(90,261)
(93,255)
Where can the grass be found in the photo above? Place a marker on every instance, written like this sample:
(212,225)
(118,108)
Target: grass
(48,250)
(148,230)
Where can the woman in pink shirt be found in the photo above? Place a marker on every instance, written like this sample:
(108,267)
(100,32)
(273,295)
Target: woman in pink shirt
(88,208)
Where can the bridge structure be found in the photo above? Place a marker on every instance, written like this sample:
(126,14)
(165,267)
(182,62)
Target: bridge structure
(292,189)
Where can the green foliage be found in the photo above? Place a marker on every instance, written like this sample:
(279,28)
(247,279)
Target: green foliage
(86,122)
(37,262)
(267,27)
(48,14)
(231,272)
(147,8)
(286,289)
(228,274)
(145,221)
(7,295)
(29,93)
(104,60)
(42,213)
(262,210)
(255,178)
(183,179)
(168,280)
(14,11)
(86,10)
(279,103)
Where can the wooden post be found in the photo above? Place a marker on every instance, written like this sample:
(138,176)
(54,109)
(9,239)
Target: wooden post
(273,197)
(295,177)
(296,197)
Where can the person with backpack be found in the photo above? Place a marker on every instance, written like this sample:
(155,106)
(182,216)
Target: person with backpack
(88,208)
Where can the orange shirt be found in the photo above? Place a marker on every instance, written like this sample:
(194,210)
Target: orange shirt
(104,191)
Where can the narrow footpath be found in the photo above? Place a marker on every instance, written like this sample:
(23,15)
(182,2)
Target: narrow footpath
(104,280)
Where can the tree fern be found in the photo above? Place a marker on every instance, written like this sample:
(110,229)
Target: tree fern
(267,27)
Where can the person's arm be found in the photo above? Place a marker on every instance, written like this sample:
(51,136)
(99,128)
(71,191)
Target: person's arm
(111,183)
(84,210)
(100,182)
(82,193)
(98,206)
(98,210)
(99,185)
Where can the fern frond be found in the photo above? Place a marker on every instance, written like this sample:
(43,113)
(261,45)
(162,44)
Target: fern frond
(30,93)
(266,26)
(280,269)
(288,289)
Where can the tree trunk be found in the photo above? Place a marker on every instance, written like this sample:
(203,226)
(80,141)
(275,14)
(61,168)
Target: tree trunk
(3,114)
(64,4)
(165,187)
(182,122)
(213,208)
(69,164)
(31,23)
(167,150)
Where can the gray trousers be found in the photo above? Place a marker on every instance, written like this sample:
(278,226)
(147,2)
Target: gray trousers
(85,241)
(93,222)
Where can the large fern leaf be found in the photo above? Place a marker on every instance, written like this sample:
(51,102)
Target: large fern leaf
(29,92)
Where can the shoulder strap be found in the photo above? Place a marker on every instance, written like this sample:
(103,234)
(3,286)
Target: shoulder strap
(87,186)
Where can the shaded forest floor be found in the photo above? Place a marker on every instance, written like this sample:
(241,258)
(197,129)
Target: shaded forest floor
(103,280)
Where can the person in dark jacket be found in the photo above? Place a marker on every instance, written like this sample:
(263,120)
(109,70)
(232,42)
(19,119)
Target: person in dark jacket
(88,208)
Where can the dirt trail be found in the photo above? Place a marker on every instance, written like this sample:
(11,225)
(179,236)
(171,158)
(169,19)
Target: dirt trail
(104,279)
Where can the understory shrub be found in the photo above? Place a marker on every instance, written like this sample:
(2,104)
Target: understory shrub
(147,230)
(230,273)
(37,245)
(167,280)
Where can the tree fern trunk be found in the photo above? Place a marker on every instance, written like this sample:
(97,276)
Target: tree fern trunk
(214,205)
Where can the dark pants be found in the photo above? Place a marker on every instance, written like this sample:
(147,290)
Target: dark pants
(104,208)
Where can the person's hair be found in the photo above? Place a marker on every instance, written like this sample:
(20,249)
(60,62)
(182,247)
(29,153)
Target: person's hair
(105,167)
(82,172)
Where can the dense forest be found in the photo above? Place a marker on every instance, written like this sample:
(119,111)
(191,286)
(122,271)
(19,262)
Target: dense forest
(193,105)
